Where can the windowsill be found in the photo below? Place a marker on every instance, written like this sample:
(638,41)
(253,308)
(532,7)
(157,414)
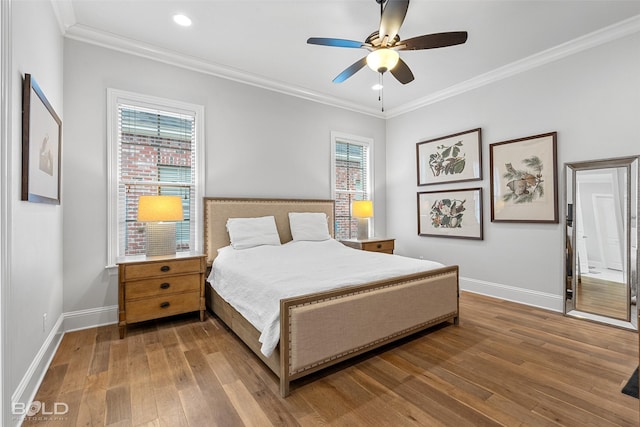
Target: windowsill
(112,270)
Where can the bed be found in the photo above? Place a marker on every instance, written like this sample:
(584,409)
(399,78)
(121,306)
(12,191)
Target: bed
(323,328)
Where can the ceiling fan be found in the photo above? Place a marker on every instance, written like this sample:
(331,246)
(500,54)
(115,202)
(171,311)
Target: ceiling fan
(385,43)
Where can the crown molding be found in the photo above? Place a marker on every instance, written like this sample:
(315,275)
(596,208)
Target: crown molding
(107,40)
(67,22)
(588,41)
(65,15)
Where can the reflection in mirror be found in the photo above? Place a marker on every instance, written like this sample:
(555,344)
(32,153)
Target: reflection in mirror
(601,241)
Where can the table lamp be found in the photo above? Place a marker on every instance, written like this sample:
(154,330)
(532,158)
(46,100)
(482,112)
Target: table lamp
(160,213)
(363,210)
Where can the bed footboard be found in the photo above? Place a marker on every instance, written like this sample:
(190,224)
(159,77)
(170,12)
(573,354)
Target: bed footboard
(320,330)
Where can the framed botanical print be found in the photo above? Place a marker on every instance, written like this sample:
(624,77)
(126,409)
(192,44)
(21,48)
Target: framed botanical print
(524,179)
(451,213)
(451,158)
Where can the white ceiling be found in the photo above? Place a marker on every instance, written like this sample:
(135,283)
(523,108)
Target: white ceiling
(263,42)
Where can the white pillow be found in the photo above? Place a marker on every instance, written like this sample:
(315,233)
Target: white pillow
(309,226)
(249,232)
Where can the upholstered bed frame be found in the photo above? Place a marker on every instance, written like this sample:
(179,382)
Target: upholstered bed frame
(322,329)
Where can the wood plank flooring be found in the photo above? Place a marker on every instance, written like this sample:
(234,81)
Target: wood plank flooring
(603,297)
(505,364)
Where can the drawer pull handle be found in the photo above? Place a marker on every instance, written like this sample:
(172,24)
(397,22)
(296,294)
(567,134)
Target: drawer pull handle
(165,285)
(165,304)
(379,245)
(165,268)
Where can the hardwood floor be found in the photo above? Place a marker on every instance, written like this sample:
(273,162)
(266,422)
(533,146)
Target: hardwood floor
(505,364)
(603,297)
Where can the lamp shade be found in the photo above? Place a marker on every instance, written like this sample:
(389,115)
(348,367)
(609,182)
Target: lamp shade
(362,208)
(160,208)
(381,60)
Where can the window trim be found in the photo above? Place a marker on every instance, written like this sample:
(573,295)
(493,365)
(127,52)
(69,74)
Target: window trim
(357,140)
(116,97)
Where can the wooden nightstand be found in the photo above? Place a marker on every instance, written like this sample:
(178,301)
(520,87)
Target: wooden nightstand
(371,245)
(155,287)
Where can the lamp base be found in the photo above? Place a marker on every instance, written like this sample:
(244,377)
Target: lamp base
(363,228)
(161,238)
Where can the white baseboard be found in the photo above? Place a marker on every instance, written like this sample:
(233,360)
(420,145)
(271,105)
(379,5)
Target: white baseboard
(30,383)
(91,318)
(67,322)
(510,293)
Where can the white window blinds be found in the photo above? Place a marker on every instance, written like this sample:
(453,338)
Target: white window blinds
(154,152)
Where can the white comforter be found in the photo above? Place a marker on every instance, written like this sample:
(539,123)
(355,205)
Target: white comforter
(254,280)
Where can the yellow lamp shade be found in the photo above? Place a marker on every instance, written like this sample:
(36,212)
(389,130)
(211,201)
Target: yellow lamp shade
(160,208)
(362,208)
(382,60)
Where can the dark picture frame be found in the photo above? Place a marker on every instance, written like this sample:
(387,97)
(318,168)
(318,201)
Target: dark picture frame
(41,146)
(451,213)
(524,179)
(451,158)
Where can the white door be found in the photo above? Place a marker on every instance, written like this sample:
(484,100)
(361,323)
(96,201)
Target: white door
(608,228)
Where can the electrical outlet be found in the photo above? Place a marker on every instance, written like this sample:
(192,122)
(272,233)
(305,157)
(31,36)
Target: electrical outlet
(44,322)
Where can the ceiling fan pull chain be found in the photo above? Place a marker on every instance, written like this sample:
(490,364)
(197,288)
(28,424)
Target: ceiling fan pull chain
(381,94)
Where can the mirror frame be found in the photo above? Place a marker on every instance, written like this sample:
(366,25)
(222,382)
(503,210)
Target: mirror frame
(631,224)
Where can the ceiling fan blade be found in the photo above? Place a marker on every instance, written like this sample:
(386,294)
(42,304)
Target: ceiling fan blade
(402,72)
(392,18)
(324,41)
(354,68)
(432,41)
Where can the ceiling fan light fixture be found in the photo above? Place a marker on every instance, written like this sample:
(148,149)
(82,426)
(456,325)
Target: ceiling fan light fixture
(382,60)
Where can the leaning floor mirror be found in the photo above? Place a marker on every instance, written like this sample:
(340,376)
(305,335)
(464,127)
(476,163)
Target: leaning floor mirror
(602,241)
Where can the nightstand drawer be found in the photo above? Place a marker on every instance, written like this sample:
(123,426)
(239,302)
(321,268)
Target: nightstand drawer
(382,246)
(161,268)
(161,306)
(162,286)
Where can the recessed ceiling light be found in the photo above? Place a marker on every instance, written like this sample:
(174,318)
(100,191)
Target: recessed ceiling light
(376,86)
(182,20)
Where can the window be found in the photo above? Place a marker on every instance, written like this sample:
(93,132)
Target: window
(154,149)
(351,179)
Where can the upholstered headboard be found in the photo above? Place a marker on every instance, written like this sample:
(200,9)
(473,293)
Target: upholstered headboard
(218,210)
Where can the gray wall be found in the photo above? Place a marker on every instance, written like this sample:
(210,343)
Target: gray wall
(259,143)
(591,99)
(35,234)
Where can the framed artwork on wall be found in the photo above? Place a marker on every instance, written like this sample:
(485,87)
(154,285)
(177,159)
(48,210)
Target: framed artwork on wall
(41,146)
(451,213)
(524,179)
(451,158)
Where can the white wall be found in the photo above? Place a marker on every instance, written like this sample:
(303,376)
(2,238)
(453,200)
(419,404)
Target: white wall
(591,99)
(35,229)
(259,143)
